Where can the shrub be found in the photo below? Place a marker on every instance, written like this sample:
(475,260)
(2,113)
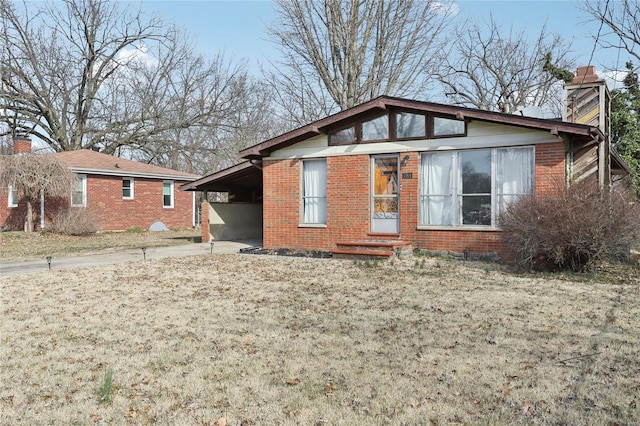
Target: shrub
(73,221)
(571,229)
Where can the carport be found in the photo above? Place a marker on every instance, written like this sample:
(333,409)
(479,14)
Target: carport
(240,218)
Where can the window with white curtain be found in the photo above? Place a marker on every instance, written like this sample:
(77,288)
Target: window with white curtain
(314,191)
(471,188)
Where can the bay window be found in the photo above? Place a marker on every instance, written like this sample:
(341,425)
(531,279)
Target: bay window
(472,187)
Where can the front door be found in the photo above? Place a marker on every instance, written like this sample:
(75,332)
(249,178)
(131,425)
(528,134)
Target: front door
(385,213)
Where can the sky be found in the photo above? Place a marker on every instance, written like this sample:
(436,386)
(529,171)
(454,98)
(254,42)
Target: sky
(238,28)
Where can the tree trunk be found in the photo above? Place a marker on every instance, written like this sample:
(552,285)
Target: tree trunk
(29,227)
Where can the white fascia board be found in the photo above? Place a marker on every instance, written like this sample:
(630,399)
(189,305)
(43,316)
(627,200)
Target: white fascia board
(125,173)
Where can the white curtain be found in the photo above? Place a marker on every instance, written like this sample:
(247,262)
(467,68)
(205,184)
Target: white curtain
(436,180)
(315,191)
(515,171)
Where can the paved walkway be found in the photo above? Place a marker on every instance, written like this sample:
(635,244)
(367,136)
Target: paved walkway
(131,255)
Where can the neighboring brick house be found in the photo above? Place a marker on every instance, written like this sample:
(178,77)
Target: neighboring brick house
(118,193)
(393,173)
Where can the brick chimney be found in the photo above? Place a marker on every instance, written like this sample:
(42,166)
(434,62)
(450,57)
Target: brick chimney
(21,145)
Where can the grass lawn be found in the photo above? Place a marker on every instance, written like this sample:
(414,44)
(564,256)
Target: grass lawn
(19,246)
(264,340)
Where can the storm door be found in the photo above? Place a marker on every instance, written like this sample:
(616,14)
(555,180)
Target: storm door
(385,213)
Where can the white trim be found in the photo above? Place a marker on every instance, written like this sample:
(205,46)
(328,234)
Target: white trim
(131,188)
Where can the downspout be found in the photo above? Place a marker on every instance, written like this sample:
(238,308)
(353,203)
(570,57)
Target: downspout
(42,209)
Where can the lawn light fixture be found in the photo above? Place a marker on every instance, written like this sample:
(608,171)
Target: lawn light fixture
(49,261)
(211,247)
(144,253)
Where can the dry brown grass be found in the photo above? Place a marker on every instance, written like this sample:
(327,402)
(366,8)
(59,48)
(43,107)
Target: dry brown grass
(19,246)
(262,340)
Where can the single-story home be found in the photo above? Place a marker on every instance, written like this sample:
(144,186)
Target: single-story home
(393,173)
(118,193)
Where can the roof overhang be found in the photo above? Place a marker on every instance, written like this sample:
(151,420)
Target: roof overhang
(386,103)
(125,173)
(242,177)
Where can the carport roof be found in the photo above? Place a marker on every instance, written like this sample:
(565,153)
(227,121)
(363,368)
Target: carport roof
(241,177)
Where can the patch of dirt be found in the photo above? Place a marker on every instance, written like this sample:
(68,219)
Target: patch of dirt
(287,252)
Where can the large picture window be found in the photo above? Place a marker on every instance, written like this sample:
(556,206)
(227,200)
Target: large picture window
(314,192)
(471,188)
(79,192)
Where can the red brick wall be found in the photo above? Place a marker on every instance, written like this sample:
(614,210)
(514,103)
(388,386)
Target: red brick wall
(348,204)
(111,212)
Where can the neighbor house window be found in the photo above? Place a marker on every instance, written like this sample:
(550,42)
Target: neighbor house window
(79,192)
(448,127)
(314,192)
(13,196)
(471,188)
(167,194)
(127,188)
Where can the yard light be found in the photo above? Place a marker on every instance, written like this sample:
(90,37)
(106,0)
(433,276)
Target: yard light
(144,253)
(211,247)
(49,261)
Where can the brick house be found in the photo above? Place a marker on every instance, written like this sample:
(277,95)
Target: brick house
(395,173)
(117,193)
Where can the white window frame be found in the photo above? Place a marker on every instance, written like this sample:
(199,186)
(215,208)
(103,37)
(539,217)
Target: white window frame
(455,201)
(318,218)
(83,180)
(131,187)
(12,197)
(171,186)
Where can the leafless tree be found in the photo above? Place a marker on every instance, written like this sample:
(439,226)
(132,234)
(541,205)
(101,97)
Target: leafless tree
(85,73)
(33,174)
(622,19)
(493,68)
(355,50)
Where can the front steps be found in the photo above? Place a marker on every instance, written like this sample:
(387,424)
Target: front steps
(371,249)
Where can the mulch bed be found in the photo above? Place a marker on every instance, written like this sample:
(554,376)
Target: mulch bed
(287,252)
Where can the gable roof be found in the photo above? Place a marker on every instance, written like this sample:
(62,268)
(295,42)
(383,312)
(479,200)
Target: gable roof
(388,103)
(90,162)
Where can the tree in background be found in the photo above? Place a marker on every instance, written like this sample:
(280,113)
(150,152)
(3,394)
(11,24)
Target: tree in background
(490,68)
(621,17)
(90,73)
(625,124)
(338,54)
(33,174)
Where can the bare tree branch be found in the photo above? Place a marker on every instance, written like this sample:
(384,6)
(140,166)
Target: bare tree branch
(490,68)
(356,50)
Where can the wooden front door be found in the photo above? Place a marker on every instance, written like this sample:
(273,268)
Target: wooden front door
(385,185)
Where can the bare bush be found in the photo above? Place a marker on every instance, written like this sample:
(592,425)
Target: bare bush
(73,221)
(571,229)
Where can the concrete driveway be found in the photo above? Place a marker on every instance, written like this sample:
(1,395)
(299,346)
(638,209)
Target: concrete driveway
(131,255)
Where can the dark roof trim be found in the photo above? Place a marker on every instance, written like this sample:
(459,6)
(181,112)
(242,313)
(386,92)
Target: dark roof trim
(386,103)
(229,174)
(618,164)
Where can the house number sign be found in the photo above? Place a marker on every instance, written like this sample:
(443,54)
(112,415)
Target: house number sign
(407,176)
